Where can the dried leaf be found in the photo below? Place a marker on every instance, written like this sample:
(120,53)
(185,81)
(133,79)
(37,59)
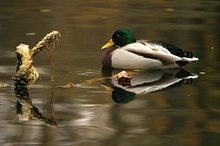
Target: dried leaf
(69,85)
(123,78)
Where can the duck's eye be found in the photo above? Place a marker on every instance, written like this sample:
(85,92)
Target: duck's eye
(118,35)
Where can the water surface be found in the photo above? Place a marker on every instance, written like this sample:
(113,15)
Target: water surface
(184,114)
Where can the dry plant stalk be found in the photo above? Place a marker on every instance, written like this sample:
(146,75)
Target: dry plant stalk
(26,73)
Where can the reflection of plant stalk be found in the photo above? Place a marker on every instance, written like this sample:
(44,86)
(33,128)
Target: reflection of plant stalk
(26,110)
(50,109)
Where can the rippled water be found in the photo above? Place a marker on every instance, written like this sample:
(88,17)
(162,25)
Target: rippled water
(158,108)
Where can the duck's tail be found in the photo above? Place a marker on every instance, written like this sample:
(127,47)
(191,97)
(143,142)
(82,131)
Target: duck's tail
(188,57)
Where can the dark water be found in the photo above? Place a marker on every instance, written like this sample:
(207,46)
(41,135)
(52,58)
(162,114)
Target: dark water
(183,115)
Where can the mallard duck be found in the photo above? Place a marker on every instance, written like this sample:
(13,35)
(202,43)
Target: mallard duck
(123,51)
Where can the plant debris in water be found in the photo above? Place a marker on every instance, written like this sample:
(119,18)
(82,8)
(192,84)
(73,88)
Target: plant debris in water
(123,78)
(27,74)
(4,85)
(25,70)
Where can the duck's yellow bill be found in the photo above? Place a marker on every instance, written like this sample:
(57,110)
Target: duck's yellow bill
(109,44)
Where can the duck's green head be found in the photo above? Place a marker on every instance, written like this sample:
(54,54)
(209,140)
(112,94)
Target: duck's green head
(121,38)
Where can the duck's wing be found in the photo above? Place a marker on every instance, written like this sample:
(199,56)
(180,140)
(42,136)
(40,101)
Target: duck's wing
(171,48)
(151,51)
(159,50)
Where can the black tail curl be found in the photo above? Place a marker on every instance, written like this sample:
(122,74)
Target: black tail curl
(188,54)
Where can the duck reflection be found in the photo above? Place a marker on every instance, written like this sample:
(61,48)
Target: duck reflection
(130,83)
(26,110)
